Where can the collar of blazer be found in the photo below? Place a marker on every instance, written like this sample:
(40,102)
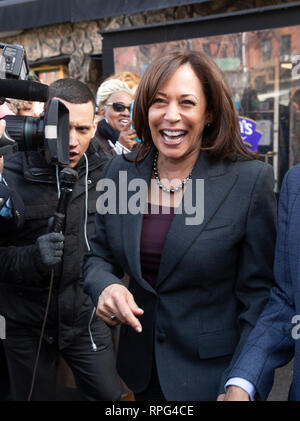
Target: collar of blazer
(218,180)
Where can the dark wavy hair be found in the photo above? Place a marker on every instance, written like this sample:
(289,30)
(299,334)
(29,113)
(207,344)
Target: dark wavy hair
(222,138)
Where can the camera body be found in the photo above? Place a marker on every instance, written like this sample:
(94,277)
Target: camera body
(13,62)
(50,132)
(47,133)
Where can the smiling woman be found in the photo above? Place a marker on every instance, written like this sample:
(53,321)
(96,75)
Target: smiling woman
(114,133)
(117,110)
(197,285)
(177,118)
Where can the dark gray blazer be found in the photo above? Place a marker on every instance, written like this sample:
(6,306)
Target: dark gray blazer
(213,281)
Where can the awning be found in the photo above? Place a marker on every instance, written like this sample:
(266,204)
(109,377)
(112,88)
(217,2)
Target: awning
(24,14)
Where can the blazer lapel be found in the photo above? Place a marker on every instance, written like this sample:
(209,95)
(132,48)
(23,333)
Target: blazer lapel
(132,223)
(218,182)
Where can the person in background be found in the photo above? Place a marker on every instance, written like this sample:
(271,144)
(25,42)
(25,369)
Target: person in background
(29,258)
(275,339)
(25,108)
(114,132)
(198,278)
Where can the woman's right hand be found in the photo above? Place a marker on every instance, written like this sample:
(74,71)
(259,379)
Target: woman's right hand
(127,137)
(116,301)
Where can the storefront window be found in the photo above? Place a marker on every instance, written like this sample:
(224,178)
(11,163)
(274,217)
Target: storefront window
(262,70)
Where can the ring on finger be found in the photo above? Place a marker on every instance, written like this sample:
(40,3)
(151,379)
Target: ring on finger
(112,318)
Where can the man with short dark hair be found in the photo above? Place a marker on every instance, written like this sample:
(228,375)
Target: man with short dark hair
(71,330)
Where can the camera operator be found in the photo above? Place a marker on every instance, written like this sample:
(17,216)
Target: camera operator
(72,330)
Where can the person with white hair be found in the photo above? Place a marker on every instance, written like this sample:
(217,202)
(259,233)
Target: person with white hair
(114,132)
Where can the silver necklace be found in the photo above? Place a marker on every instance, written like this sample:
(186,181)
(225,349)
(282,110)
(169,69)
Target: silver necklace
(160,185)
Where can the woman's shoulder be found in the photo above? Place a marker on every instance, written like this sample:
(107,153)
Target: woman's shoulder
(252,165)
(120,163)
(253,172)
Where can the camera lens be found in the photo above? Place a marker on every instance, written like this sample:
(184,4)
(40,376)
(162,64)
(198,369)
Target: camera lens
(28,132)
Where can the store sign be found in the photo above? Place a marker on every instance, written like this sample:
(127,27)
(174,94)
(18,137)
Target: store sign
(250,135)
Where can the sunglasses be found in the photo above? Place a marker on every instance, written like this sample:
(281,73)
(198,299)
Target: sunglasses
(118,107)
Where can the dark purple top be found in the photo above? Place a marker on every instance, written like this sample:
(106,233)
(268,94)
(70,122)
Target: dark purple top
(155,228)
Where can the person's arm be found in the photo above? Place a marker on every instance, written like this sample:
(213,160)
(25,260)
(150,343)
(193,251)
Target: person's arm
(29,264)
(102,279)
(270,344)
(239,389)
(102,282)
(254,276)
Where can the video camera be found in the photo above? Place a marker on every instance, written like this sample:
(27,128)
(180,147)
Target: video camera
(49,132)
(14,62)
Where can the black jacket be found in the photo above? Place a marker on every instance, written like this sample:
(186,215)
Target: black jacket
(17,210)
(102,137)
(23,287)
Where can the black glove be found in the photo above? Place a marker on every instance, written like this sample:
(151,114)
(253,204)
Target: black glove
(50,248)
